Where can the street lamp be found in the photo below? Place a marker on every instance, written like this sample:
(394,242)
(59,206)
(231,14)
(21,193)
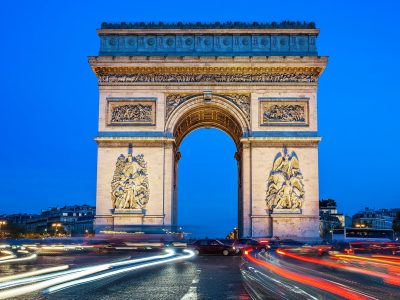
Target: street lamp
(56,226)
(2,222)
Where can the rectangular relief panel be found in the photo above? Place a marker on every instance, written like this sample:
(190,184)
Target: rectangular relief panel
(284,112)
(131,111)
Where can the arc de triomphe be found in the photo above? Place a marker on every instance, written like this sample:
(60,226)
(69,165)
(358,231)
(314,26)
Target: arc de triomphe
(257,82)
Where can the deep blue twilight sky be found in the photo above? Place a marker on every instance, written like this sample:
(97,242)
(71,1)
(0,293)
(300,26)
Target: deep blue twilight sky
(49,103)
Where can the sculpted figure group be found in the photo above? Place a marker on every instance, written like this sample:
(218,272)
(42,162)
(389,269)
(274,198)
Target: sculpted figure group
(130,185)
(285,188)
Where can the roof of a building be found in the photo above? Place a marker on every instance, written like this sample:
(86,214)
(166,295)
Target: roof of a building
(287,38)
(210,25)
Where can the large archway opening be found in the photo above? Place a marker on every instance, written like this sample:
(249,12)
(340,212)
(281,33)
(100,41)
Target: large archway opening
(211,184)
(208,184)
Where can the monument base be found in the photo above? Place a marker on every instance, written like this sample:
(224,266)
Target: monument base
(286,211)
(129,211)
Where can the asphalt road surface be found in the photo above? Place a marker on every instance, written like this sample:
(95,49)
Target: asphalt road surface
(201,277)
(269,275)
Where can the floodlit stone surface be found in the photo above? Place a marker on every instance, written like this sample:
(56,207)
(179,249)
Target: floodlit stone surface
(218,91)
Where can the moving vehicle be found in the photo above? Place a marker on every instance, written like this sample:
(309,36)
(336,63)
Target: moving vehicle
(211,247)
(243,244)
(362,234)
(366,247)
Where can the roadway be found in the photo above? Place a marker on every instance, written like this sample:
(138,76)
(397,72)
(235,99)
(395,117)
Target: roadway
(162,275)
(200,277)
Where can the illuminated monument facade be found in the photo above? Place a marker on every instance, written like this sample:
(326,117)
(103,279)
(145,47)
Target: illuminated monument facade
(257,82)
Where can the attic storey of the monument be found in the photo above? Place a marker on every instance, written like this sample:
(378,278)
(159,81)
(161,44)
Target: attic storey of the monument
(257,82)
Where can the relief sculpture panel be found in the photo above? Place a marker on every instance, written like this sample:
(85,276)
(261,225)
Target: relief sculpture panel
(131,113)
(281,113)
(130,184)
(285,188)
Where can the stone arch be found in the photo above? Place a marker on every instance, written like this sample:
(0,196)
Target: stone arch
(200,111)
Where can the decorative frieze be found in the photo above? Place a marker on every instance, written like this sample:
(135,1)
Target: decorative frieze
(131,112)
(285,188)
(130,78)
(284,112)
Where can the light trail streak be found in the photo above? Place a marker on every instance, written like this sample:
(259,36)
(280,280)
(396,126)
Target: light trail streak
(44,284)
(34,273)
(322,284)
(30,257)
(58,274)
(388,257)
(386,277)
(369,259)
(8,255)
(119,271)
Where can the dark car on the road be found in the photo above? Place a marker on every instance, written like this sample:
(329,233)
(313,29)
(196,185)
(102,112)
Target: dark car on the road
(286,243)
(248,244)
(211,247)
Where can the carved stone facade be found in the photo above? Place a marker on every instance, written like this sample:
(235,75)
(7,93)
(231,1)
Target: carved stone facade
(206,40)
(124,79)
(130,185)
(242,101)
(239,80)
(284,112)
(285,188)
(131,113)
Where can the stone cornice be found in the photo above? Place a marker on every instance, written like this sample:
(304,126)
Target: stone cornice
(289,31)
(139,25)
(135,141)
(279,141)
(97,62)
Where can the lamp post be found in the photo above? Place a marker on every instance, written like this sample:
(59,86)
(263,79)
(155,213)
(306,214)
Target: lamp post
(2,223)
(56,226)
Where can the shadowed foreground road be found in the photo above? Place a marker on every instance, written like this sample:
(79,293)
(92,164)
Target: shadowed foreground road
(202,277)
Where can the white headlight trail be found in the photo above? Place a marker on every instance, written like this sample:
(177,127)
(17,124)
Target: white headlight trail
(12,283)
(64,276)
(44,284)
(65,285)
(33,273)
(30,257)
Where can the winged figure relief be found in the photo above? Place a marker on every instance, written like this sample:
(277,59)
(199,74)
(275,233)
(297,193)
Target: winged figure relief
(285,188)
(130,185)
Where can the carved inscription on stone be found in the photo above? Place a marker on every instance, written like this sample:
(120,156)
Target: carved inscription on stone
(284,112)
(131,113)
(240,100)
(285,188)
(130,185)
(126,79)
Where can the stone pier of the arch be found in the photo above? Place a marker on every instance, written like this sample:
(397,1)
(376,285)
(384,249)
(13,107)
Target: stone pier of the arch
(257,82)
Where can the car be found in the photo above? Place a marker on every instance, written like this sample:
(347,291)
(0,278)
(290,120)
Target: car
(240,245)
(366,247)
(208,246)
(286,243)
